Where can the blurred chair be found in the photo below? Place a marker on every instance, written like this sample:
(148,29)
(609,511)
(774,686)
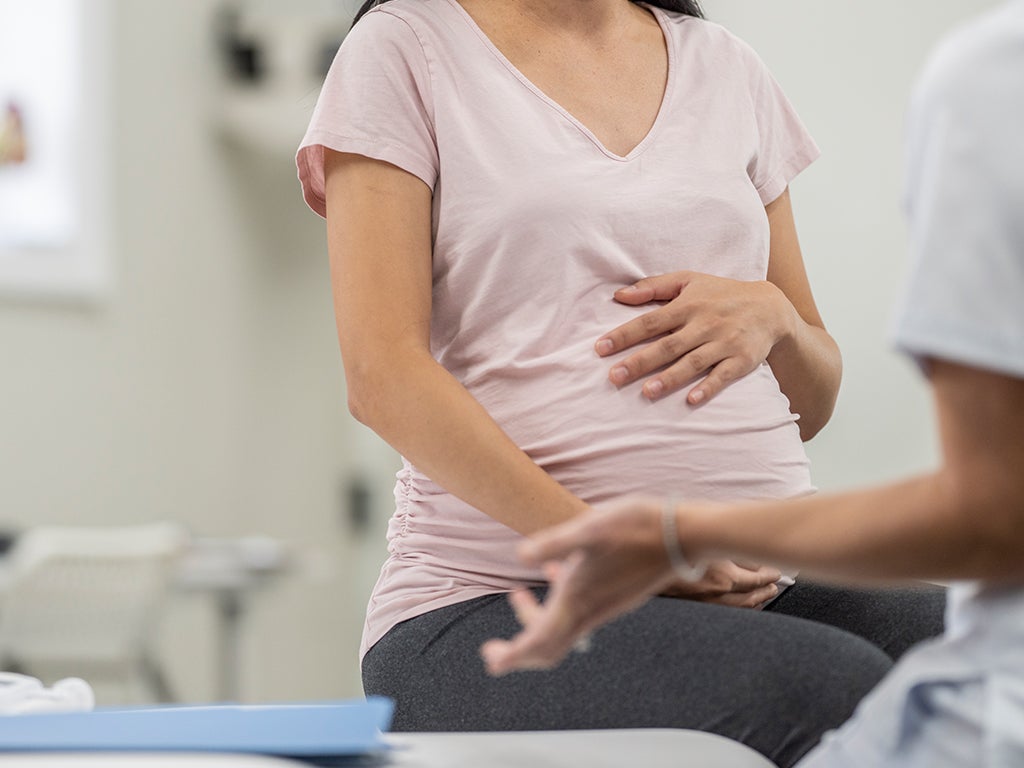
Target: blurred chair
(83,601)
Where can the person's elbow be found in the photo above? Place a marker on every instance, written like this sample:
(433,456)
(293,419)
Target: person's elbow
(357,407)
(368,383)
(810,425)
(990,508)
(1003,530)
(377,383)
(813,389)
(813,419)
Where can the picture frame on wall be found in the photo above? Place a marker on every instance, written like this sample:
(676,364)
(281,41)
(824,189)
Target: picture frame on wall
(54,171)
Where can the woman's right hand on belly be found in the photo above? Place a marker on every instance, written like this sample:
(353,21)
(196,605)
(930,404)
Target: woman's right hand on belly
(706,326)
(728,583)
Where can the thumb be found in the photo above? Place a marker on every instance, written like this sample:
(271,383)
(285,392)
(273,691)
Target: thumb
(554,544)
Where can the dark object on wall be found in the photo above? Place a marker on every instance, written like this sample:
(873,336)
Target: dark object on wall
(7,538)
(358,503)
(244,59)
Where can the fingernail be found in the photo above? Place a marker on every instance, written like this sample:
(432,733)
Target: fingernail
(619,374)
(604,346)
(653,388)
(696,396)
(629,288)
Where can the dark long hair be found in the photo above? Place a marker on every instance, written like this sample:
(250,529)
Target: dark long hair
(688,7)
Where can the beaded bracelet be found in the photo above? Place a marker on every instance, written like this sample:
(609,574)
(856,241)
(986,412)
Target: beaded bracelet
(684,569)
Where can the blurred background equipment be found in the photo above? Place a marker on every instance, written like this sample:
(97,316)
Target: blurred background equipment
(83,601)
(273,58)
(13,145)
(230,568)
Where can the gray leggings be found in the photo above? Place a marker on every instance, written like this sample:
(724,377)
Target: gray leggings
(775,679)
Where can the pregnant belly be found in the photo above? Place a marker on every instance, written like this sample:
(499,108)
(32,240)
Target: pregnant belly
(601,442)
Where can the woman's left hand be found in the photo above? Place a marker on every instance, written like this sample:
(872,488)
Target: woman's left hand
(714,325)
(726,582)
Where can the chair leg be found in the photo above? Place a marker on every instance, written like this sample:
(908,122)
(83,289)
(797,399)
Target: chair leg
(157,681)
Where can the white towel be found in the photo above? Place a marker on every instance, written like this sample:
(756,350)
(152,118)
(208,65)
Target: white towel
(21,694)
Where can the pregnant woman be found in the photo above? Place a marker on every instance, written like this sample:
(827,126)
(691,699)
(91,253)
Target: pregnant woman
(493,175)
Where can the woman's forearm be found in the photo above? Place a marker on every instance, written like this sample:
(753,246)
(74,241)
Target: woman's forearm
(428,416)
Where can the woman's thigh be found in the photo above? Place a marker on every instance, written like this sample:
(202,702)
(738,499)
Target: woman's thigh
(773,682)
(893,619)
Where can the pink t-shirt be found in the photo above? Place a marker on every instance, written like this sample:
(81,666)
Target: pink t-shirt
(536,224)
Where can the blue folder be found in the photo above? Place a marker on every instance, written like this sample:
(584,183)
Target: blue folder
(322,732)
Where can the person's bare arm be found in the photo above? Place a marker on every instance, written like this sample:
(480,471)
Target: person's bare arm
(726,328)
(806,361)
(963,521)
(966,520)
(379,239)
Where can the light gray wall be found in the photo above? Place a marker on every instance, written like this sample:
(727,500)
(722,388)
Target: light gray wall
(849,68)
(208,387)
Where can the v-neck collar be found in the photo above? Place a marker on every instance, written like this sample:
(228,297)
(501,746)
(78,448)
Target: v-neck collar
(665,97)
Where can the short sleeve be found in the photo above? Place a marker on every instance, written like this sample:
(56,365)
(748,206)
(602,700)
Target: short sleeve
(784,146)
(964,300)
(375,102)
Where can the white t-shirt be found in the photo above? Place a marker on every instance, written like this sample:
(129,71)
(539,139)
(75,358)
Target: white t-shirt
(965,198)
(958,702)
(536,224)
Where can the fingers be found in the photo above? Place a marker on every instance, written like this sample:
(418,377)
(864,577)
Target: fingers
(747,580)
(707,358)
(529,650)
(504,656)
(724,373)
(651,324)
(720,327)
(712,358)
(647,326)
(547,637)
(730,583)
(683,349)
(686,365)
(524,605)
(748,564)
(752,599)
(658,288)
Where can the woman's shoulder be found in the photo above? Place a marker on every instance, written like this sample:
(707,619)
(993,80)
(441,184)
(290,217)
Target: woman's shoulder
(407,29)
(706,36)
(421,16)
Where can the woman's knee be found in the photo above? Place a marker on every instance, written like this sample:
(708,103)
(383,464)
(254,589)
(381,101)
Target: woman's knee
(817,690)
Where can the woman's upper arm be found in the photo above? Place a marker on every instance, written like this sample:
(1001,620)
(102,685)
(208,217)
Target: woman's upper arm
(379,222)
(786,263)
(379,241)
